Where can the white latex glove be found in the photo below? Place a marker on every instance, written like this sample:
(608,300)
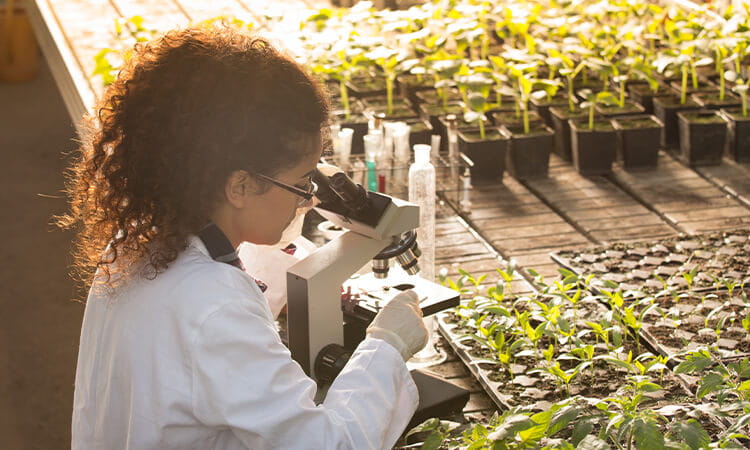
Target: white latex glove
(400,324)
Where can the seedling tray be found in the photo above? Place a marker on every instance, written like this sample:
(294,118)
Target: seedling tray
(681,263)
(677,319)
(534,392)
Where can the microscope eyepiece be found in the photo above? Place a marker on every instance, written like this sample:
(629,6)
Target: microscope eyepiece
(352,194)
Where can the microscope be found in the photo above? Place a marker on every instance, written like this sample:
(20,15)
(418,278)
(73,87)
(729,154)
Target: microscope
(327,317)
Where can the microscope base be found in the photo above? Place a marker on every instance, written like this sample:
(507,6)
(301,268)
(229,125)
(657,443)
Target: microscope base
(437,398)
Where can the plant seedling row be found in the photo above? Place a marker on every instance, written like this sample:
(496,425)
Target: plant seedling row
(519,383)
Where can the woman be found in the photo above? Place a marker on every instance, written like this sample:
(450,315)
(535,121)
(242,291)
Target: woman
(208,139)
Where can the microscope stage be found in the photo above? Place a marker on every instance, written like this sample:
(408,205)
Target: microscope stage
(370,294)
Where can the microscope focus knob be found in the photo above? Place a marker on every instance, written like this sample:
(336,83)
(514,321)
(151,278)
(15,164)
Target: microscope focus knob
(331,359)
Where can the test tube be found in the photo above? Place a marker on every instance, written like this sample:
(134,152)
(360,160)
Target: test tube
(464,204)
(344,144)
(435,144)
(373,143)
(335,129)
(358,172)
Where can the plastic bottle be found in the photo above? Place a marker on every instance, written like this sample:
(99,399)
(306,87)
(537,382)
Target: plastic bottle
(422,192)
(401,157)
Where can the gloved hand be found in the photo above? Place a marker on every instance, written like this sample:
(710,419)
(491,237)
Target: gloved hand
(400,324)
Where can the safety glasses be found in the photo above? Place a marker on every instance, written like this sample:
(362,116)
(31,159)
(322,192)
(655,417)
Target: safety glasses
(305,193)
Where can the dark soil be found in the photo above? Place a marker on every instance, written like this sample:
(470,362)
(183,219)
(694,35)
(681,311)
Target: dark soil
(696,117)
(716,255)
(638,123)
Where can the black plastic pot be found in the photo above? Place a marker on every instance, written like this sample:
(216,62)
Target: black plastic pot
(432,113)
(382,102)
(542,106)
(433,98)
(420,131)
(703,136)
(628,84)
(628,108)
(703,86)
(367,87)
(528,154)
(400,112)
(442,129)
(488,154)
(666,109)
(738,134)
(638,138)
(560,116)
(510,119)
(711,100)
(409,84)
(644,96)
(593,150)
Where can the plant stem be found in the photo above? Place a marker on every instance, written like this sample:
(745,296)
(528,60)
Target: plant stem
(345,98)
(621,101)
(525,118)
(591,116)
(481,127)
(694,75)
(683,87)
(744,103)
(389,93)
(571,106)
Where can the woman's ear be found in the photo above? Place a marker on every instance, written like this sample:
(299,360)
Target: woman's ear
(237,187)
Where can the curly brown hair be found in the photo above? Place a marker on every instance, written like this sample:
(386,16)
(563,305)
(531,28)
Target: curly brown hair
(185,111)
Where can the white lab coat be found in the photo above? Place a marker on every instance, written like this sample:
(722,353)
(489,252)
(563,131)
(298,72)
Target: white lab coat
(192,359)
(269,264)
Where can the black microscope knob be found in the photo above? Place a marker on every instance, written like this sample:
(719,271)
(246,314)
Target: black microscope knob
(331,359)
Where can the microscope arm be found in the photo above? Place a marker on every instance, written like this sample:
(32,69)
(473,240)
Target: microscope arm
(314,293)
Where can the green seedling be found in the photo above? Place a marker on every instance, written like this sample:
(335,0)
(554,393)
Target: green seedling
(527,83)
(342,68)
(478,105)
(570,71)
(444,70)
(562,377)
(593,99)
(740,87)
(500,77)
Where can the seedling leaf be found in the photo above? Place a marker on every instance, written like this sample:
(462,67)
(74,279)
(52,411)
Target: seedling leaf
(648,436)
(693,434)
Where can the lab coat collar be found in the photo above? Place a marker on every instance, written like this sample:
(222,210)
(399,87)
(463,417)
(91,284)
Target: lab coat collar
(196,242)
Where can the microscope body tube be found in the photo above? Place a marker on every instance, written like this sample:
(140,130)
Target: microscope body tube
(422,192)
